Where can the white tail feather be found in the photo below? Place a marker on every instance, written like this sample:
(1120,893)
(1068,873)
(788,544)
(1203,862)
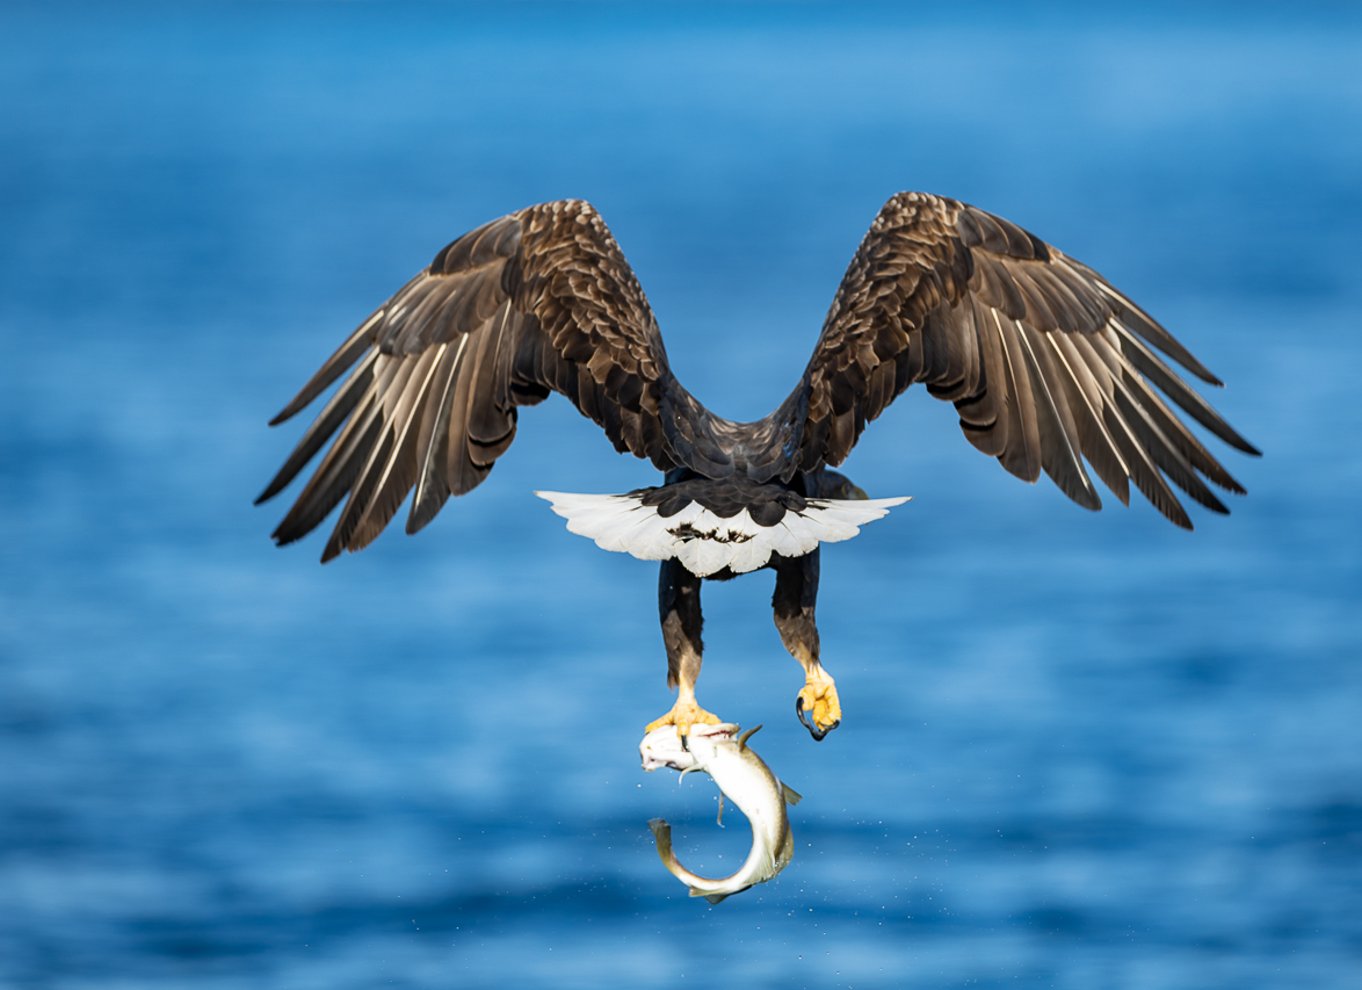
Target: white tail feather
(706,543)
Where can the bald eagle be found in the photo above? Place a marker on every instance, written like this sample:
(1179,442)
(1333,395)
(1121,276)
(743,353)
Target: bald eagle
(1046,363)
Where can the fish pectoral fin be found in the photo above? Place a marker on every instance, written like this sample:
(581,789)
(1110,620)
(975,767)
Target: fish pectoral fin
(786,849)
(792,796)
(719,820)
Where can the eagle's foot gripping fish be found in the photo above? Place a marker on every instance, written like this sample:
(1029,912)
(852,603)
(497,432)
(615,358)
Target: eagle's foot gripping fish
(684,714)
(747,781)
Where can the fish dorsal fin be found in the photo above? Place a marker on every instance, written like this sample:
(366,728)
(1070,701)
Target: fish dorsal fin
(742,739)
(792,796)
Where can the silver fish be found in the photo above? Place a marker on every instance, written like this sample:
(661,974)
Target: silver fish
(740,773)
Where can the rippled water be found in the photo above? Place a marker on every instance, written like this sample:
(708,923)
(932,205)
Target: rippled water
(1080,750)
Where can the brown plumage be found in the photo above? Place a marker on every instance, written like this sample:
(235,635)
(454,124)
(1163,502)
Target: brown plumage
(1046,363)
(541,300)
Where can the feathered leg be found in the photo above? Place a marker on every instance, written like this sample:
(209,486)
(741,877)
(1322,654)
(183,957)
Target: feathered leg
(678,597)
(793,603)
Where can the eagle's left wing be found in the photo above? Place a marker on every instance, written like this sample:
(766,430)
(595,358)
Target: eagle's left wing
(1046,363)
(540,300)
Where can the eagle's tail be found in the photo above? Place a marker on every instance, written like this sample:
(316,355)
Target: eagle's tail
(737,530)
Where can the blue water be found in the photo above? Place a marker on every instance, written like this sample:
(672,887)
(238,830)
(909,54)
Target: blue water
(1080,751)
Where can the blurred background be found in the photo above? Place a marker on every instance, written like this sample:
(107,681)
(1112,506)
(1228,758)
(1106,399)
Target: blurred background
(1080,750)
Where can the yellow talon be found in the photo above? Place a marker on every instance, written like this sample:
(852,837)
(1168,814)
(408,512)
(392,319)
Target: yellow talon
(683,715)
(819,699)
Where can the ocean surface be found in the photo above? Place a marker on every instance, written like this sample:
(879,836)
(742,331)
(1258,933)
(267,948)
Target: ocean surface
(1080,750)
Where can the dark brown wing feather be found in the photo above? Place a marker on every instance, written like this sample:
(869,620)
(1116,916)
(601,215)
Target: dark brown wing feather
(1047,364)
(541,300)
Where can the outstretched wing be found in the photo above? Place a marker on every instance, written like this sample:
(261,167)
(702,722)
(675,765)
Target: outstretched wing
(1046,363)
(539,300)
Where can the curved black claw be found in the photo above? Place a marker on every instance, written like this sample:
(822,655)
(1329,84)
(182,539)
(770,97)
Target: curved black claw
(818,734)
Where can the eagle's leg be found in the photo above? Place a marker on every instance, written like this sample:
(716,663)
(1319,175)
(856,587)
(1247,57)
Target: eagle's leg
(793,604)
(678,598)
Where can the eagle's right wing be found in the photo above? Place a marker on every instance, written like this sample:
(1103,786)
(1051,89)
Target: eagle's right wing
(540,300)
(1046,362)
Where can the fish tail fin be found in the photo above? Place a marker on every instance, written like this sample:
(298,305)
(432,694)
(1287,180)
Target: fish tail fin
(662,835)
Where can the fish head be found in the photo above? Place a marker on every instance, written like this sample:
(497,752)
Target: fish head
(664,748)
